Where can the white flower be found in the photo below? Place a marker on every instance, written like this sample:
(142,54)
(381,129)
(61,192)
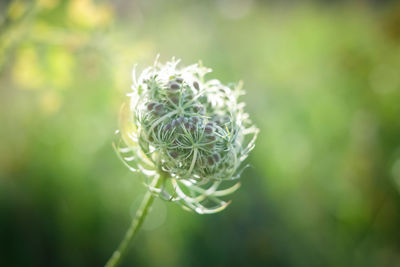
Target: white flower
(190,132)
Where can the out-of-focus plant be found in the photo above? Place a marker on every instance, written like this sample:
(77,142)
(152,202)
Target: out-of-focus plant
(187,135)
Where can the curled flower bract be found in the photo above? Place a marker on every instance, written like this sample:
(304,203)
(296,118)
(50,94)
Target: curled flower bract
(191,132)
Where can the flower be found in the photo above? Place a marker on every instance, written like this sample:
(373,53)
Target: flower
(190,131)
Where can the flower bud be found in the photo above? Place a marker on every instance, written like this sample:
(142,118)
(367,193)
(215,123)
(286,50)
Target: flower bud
(190,137)
(210,161)
(198,109)
(195,120)
(174,154)
(168,127)
(216,157)
(208,129)
(192,128)
(174,99)
(158,109)
(175,123)
(150,106)
(187,125)
(174,86)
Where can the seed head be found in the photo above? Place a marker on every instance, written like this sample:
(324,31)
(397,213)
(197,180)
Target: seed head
(197,136)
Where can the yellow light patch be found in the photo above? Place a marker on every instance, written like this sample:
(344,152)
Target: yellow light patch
(16,9)
(60,64)
(48,4)
(26,71)
(87,14)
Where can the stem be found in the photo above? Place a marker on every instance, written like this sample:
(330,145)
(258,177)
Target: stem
(135,225)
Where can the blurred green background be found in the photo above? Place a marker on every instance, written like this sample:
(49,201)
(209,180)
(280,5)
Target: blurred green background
(323,86)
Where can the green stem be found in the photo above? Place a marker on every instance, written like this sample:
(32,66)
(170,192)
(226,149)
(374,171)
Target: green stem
(135,225)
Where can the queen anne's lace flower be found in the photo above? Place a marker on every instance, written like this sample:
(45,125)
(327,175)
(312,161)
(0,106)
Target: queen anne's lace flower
(190,132)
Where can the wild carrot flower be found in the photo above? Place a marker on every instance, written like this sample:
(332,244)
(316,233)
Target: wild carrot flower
(191,131)
(187,135)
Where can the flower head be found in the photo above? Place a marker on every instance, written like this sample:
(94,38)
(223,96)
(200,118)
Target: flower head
(191,131)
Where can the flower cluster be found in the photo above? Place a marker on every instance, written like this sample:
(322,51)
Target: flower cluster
(194,133)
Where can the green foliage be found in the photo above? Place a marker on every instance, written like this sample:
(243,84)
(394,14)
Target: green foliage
(322,85)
